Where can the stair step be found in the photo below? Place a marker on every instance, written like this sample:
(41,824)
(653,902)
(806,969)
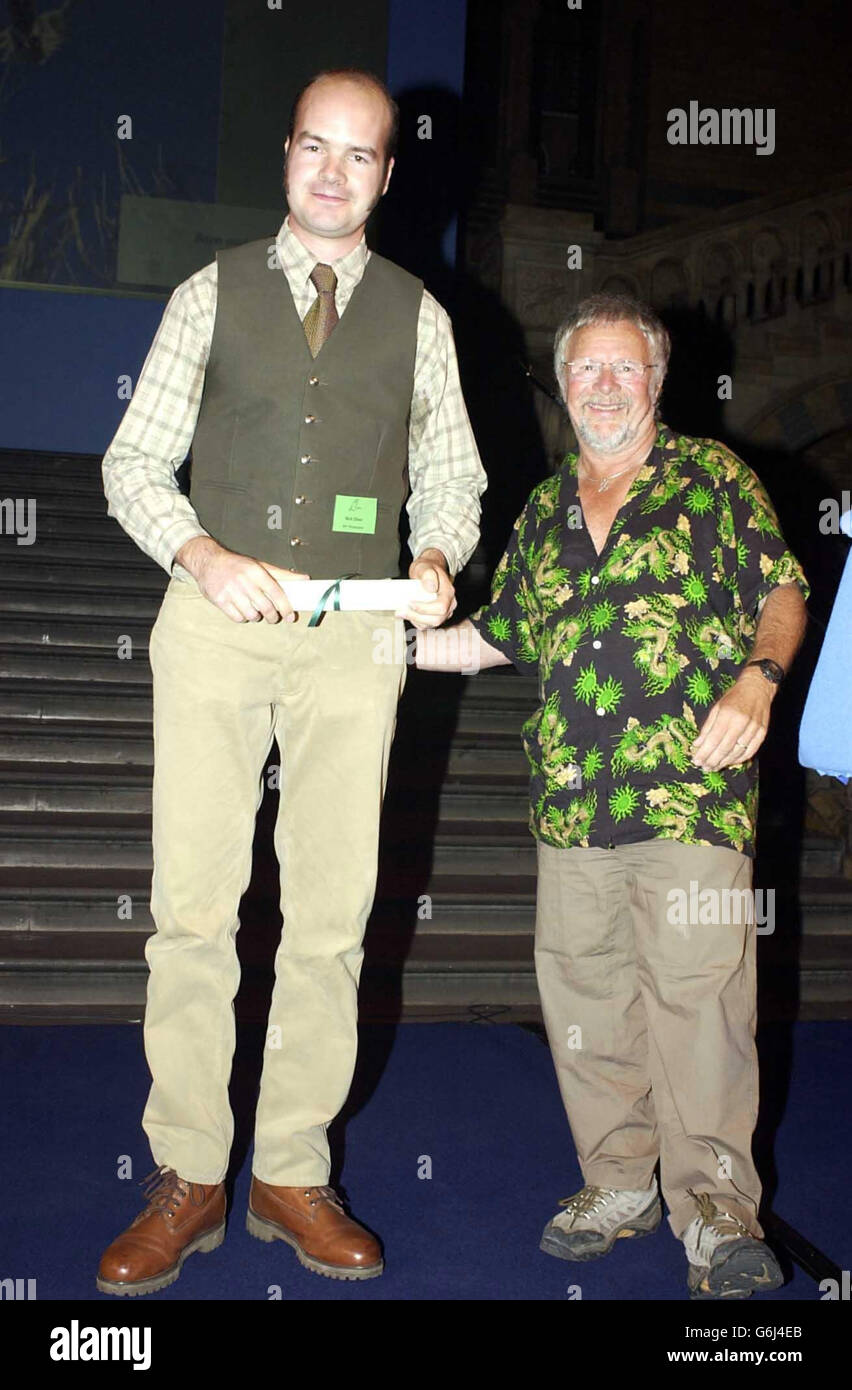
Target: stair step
(82,848)
(42,459)
(22,575)
(63,799)
(62,667)
(51,483)
(482,990)
(86,708)
(83,910)
(113,549)
(135,747)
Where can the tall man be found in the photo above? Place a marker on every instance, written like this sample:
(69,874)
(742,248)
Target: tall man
(650,586)
(315,381)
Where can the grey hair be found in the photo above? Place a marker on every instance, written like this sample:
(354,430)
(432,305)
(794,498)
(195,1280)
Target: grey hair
(613,308)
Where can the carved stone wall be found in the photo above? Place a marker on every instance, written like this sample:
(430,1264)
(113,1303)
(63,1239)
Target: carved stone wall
(773,273)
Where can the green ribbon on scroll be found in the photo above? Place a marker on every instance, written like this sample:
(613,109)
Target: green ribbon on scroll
(333,591)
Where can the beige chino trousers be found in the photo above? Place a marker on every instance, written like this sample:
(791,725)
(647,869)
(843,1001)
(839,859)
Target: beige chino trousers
(222,691)
(651,1019)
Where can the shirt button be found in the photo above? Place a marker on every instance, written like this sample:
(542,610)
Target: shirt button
(306,458)
(313,381)
(595,579)
(295,541)
(600,709)
(596,645)
(309,419)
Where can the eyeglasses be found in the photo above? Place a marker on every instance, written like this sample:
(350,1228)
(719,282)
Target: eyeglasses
(587,369)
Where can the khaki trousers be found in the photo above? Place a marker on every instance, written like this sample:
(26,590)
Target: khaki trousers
(222,691)
(651,1020)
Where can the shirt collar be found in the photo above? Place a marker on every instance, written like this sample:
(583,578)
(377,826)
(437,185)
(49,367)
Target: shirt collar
(297,261)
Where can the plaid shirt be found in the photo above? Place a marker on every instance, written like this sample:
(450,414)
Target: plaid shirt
(154,436)
(633,646)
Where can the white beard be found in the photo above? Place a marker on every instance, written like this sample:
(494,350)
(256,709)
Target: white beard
(605,441)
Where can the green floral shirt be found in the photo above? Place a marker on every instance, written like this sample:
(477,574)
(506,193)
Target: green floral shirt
(634,645)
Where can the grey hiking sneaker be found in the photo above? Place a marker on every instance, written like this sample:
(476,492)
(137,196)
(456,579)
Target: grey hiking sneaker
(725,1259)
(596,1217)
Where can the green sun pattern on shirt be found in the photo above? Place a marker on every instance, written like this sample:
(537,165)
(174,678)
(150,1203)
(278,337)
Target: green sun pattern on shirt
(694,589)
(699,689)
(602,616)
(592,764)
(584,583)
(623,802)
(586,684)
(588,688)
(715,782)
(500,628)
(742,552)
(610,694)
(699,500)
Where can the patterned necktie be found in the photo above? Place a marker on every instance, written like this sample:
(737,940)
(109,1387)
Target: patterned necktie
(322,315)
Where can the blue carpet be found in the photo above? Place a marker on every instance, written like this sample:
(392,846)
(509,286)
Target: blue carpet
(480,1100)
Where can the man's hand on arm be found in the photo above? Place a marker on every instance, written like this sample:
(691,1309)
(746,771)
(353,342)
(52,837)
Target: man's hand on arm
(430,568)
(736,725)
(245,589)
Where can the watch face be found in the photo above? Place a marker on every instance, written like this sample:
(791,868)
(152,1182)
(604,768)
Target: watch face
(771,670)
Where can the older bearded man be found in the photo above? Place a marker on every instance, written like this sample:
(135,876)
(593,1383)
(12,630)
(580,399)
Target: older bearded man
(660,629)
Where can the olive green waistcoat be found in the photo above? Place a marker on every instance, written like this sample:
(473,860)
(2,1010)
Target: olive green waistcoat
(281,434)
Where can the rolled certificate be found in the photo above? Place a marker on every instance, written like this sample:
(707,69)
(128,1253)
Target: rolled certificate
(356,595)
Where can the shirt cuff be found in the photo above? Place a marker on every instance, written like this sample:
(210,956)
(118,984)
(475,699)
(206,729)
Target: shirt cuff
(501,638)
(177,538)
(448,551)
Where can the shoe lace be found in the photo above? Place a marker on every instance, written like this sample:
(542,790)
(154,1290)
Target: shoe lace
(326,1194)
(585,1202)
(164,1191)
(712,1218)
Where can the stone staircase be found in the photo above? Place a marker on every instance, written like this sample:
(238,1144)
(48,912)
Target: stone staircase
(451,932)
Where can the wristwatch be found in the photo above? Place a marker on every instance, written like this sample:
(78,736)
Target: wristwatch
(771,670)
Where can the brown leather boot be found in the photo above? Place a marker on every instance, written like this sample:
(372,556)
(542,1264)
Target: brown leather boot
(180,1217)
(312,1220)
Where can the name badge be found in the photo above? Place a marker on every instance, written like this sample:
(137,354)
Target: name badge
(355,514)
